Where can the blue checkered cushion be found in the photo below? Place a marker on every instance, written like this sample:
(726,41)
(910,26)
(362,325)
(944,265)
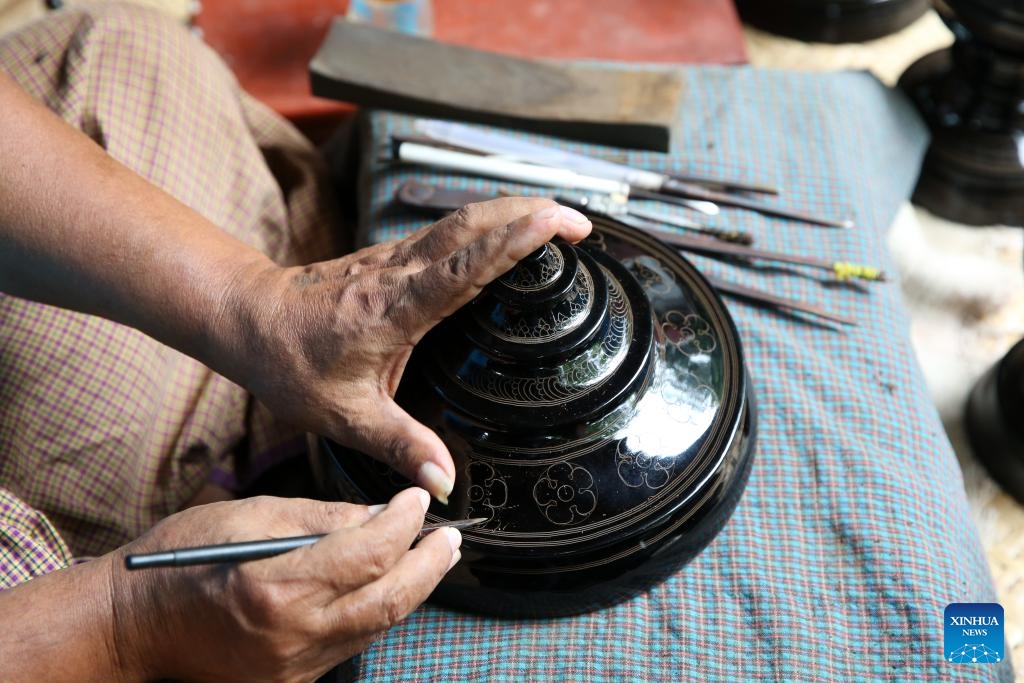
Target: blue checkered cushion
(854,532)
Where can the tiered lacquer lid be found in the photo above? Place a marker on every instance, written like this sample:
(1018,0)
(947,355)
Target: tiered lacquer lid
(553,342)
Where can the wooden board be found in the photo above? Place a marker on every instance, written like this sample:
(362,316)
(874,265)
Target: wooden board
(388,70)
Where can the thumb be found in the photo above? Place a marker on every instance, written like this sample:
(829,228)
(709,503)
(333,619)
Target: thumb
(391,436)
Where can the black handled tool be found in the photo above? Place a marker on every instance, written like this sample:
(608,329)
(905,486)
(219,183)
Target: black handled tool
(251,550)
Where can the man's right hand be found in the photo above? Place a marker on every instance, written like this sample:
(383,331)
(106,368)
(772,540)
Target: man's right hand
(285,618)
(324,345)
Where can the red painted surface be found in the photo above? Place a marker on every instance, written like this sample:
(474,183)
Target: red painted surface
(268,43)
(625,30)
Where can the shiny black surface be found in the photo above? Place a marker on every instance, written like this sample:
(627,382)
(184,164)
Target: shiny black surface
(972,97)
(605,454)
(832,21)
(559,360)
(995,421)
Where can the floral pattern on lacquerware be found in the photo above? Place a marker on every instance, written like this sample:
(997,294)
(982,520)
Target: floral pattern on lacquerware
(565,494)
(689,333)
(638,469)
(487,493)
(652,276)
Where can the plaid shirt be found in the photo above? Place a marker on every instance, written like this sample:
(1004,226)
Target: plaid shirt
(29,545)
(103,431)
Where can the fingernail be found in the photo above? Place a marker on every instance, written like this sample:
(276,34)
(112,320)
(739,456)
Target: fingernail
(456,556)
(433,479)
(375,510)
(573,216)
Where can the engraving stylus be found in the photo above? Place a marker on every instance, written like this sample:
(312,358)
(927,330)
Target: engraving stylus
(253,550)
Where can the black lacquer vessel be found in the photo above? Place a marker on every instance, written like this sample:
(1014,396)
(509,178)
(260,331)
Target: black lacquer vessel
(597,407)
(971,95)
(995,427)
(832,21)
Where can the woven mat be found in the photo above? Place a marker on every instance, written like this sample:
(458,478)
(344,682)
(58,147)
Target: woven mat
(958,329)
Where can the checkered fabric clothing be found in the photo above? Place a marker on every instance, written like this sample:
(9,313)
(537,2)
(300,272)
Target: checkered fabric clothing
(854,532)
(103,431)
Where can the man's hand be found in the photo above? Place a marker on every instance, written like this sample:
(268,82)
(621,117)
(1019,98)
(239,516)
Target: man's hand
(325,345)
(285,618)
(290,617)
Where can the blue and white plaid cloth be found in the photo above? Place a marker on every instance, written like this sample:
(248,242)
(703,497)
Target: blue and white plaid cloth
(854,532)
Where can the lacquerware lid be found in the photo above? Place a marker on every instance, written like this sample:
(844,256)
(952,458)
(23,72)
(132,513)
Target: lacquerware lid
(555,342)
(595,402)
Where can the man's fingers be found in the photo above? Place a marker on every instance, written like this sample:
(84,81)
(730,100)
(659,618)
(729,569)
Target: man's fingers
(392,436)
(453,232)
(440,289)
(314,516)
(379,605)
(351,558)
(456,230)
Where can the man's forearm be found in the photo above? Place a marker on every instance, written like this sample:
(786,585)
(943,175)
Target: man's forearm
(60,627)
(81,231)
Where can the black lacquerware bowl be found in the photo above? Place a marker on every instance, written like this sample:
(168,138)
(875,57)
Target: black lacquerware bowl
(597,407)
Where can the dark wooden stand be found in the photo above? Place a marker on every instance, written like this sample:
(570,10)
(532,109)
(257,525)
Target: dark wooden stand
(831,21)
(995,421)
(972,97)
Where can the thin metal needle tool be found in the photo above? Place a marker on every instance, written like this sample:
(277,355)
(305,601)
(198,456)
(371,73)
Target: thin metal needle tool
(253,550)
